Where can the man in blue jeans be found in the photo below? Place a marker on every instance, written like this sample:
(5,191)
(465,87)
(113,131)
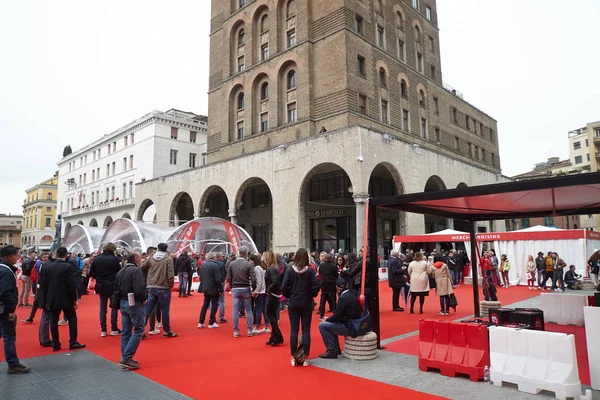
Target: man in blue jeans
(348,308)
(242,282)
(130,280)
(160,281)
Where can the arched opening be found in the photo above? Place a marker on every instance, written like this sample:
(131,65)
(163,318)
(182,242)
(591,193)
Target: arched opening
(182,209)
(386,181)
(126,215)
(260,34)
(327,209)
(462,185)
(214,203)
(403,88)
(80,223)
(399,21)
(237,115)
(432,223)
(288,99)
(94,223)
(67,227)
(238,48)
(147,212)
(254,211)
(382,77)
(459,224)
(107,222)
(260,107)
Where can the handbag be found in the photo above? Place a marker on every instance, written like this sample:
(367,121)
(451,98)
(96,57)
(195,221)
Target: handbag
(115,301)
(453,301)
(360,326)
(432,284)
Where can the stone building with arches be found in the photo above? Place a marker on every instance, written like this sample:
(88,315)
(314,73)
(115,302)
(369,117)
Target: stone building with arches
(314,107)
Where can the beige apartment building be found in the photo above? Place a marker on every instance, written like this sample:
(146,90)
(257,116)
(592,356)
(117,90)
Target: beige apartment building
(314,107)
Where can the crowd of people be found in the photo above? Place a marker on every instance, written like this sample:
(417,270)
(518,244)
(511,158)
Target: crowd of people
(140,286)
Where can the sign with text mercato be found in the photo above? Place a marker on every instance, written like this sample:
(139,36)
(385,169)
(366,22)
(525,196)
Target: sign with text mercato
(336,212)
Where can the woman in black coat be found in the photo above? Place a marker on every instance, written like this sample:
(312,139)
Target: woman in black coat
(300,286)
(273,289)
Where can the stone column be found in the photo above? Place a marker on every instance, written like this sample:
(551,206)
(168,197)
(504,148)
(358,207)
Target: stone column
(361,202)
(232,216)
(449,223)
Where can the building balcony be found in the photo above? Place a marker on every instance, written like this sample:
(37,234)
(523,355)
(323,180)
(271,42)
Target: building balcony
(596,139)
(105,205)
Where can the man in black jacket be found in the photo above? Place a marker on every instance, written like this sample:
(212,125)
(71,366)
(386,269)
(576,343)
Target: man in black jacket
(540,266)
(396,278)
(347,309)
(59,293)
(184,269)
(131,279)
(104,269)
(8,304)
(329,275)
(212,287)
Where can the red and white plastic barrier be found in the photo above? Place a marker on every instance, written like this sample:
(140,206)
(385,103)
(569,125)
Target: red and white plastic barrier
(534,361)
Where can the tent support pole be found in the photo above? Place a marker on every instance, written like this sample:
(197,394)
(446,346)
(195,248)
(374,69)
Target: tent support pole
(474,274)
(373,282)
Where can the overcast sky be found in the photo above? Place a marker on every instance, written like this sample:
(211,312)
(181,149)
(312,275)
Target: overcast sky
(74,70)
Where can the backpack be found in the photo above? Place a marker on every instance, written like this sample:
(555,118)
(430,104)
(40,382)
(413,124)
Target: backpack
(34,272)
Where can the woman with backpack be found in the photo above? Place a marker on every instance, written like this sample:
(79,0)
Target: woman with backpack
(300,286)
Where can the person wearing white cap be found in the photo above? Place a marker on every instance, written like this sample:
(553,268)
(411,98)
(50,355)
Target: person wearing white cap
(594,266)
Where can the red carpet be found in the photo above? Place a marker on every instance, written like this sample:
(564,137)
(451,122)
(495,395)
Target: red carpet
(398,323)
(208,362)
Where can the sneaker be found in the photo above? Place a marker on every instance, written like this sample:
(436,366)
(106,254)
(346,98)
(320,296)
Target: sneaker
(27,320)
(441,313)
(103,334)
(200,326)
(255,331)
(212,326)
(154,332)
(323,319)
(159,325)
(18,369)
(236,334)
(306,362)
(267,330)
(170,334)
(28,305)
(222,321)
(128,364)
(115,333)
(293,361)
(63,322)
(251,333)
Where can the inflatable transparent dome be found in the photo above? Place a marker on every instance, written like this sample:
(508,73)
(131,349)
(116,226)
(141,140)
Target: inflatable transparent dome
(131,235)
(83,240)
(209,234)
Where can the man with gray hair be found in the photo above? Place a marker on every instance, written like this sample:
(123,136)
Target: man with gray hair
(212,287)
(242,281)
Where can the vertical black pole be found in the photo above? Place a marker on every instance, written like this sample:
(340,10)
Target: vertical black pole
(373,281)
(474,274)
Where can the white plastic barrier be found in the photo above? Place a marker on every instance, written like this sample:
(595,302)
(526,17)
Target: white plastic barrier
(383,274)
(534,361)
(592,333)
(563,308)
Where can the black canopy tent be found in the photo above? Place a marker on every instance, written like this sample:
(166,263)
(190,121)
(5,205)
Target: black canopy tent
(564,195)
